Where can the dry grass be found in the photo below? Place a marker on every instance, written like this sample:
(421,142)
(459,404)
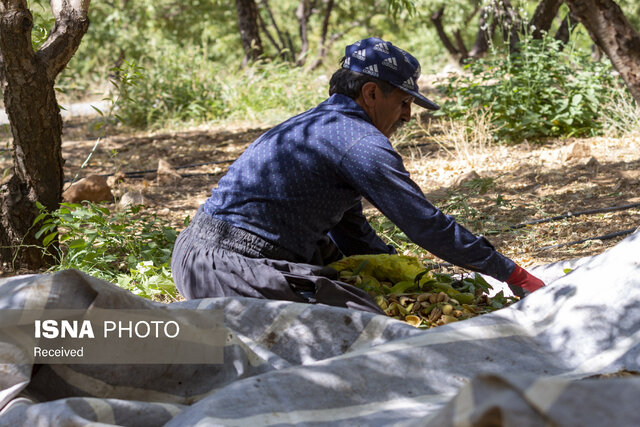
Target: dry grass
(534,181)
(469,145)
(623,115)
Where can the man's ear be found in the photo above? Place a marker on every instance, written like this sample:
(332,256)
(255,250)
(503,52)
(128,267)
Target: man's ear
(368,93)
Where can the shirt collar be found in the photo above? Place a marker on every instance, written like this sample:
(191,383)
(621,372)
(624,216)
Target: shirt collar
(345,105)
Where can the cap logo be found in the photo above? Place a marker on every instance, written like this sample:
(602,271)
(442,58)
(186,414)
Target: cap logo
(372,70)
(382,47)
(409,83)
(360,54)
(347,62)
(391,63)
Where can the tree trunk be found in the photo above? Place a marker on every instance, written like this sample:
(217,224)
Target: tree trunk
(36,125)
(486,28)
(566,28)
(322,46)
(302,14)
(493,14)
(612,33)
(511,23)
(266,31)
(464,53)
(292,51)
(249,33)
(543,17)
(283,42)
(436,19)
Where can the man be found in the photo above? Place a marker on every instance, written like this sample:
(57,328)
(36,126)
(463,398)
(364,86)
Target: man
(291,203)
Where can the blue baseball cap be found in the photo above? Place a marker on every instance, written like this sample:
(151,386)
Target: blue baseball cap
(383,60)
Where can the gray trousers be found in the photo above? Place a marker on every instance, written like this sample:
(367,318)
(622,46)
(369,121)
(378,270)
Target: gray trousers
(211,258)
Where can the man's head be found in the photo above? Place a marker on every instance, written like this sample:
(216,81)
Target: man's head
(383,80)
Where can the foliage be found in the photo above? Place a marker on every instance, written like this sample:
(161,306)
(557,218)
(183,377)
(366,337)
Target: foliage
(195,45)
(128,30)
(193,89)
(42,22)
(537,92)
(457,202)
(631,9)
(271,90)
(189,57)
(408,290)
(131,248)
(202,80)
(171,89)
(398,6)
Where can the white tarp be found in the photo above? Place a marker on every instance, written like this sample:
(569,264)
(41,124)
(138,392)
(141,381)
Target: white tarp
(289,363)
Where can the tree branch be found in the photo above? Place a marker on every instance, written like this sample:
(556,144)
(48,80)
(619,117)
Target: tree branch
(337,36)
(8,5)
(436,19)
(322,47)
(71,23)
(464,53)
(283,42)
(543,17)
(510,21)
(2,80)
(486,28)
(247,15)
(267,33)
(18,57)
(292,51)
(566,27)
(303,13)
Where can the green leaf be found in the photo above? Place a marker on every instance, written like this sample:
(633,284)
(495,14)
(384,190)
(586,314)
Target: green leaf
(38,218)
(360,267)
(576,99)
(49,238)
(45,228)
(76,244)
(99,111)
(71,206)
(402,287)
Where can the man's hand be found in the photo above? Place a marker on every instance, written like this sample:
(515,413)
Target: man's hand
(526,281)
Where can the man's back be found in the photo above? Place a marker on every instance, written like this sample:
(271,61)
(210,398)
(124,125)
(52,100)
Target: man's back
(288,186)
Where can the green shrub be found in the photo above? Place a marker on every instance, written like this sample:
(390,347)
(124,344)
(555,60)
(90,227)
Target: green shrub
(131,248)
(540,91)
(178,87)
(173,86)
(269,91)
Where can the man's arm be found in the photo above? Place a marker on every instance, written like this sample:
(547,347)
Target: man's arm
(374,169)
(354,236)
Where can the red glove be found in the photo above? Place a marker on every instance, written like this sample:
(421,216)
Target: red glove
(524,280)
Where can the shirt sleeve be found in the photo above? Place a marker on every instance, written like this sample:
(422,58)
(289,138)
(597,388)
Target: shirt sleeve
(354,236)
(376,170)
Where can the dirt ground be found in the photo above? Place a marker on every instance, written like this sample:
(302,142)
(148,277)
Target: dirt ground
(523,182)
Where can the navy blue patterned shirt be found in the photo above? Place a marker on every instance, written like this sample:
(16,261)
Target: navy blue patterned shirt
(304,180)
